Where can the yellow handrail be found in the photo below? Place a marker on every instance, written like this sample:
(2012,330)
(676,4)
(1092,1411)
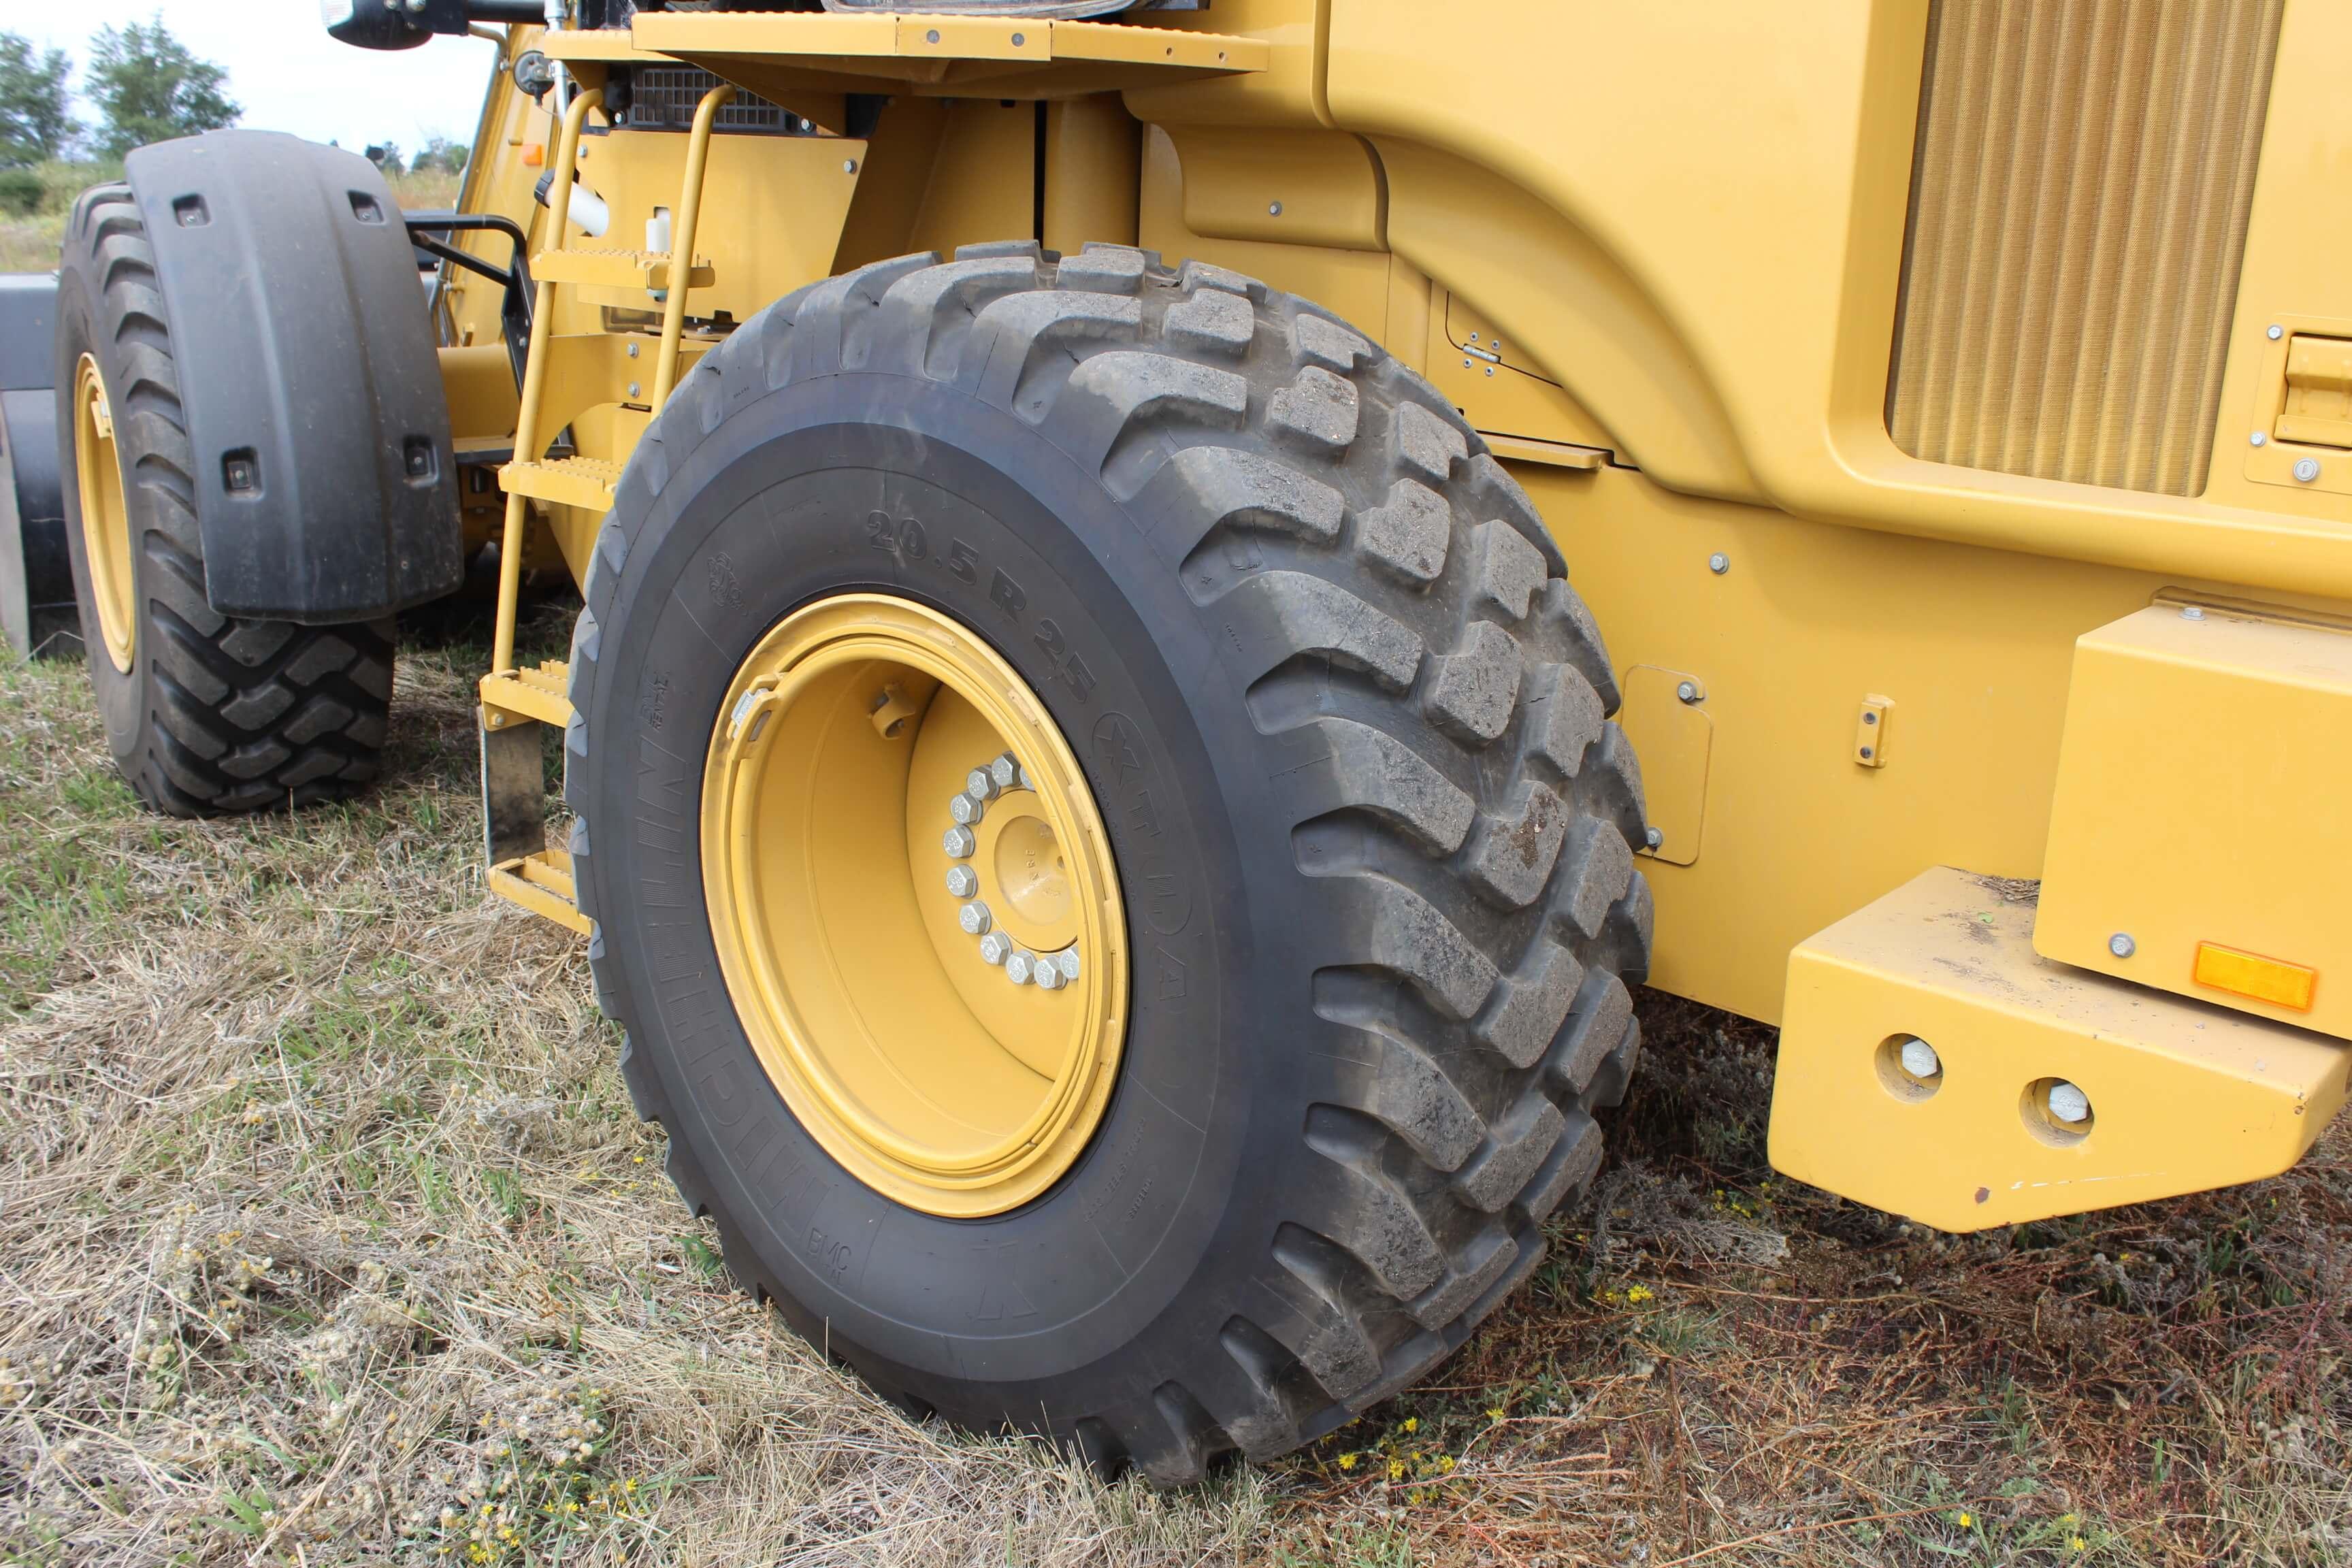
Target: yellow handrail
(682,249)
(526,443)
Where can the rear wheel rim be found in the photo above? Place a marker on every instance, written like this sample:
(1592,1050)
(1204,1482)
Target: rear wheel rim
(105,515)
(956,1065)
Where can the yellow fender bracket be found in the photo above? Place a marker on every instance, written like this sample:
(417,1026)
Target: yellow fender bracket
(1933,1065)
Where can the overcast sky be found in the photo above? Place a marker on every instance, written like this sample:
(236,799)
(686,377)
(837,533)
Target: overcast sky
(285,71)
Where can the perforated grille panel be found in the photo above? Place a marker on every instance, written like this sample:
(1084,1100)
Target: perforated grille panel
(667,96)
(2078,207)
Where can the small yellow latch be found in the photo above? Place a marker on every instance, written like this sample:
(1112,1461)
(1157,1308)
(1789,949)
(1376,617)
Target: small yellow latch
(1870,732)
(2318,407)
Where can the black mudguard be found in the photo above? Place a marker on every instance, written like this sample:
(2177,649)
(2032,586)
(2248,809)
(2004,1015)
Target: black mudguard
(326,486)
(36,597)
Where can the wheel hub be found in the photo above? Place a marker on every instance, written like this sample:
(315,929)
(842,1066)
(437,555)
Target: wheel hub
(1009,868)
(893,829)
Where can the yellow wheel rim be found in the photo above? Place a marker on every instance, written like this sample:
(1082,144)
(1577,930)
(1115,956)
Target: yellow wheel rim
(954,1064)
(105,515)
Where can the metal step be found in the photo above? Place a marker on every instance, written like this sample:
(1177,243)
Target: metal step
(539,694)
(541,883)
(587,482)
(641,270)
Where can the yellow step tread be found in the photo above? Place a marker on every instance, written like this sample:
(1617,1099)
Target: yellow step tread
(539,693)
(568,481)
(647,269)
(542,884)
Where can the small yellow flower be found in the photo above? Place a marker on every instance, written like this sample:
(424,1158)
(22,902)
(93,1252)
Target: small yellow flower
(1413,1423)
(1965,1520)
(1494,1412)
(1346,1462)
(1639,1294)
(1396,1469)
(2076,1543)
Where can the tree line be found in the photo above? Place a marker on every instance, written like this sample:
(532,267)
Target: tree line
(146,86)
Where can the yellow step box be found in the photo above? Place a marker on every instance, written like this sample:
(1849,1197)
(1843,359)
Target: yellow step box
(1932,1064)
(2199,832)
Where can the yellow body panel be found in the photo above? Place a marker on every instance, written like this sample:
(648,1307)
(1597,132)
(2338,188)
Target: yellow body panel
(2200,800)
(2182,1097)
(1714,272)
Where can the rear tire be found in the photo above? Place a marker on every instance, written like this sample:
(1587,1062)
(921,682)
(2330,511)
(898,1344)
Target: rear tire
(1345,724)
(213,713)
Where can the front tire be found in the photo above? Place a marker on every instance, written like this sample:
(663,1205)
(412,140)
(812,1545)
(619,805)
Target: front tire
(1345,724)
(205,713)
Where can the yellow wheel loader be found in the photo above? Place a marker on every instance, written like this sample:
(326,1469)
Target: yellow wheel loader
(1094,784)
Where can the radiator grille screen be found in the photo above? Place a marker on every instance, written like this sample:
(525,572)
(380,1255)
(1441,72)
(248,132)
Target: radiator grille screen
(665,97)
(2078,207)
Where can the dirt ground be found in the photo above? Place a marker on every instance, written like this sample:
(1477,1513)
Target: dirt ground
(326,1234)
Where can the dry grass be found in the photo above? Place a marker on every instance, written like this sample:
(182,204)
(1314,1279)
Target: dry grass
(325,1226)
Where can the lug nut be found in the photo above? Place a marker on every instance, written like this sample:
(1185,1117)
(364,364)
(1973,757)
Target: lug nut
(995,947)
(1028,780)
(965,809)
(1048,975)
(980,783)
(962,881)
(959,842)
(1005,771)
(1066,961)
(2068,1103)
(1919,1058)
(1017,967)
(974,918)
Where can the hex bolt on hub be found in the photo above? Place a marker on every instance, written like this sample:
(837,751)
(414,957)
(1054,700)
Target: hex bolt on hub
(2068,1103)
(995,947)
(975,920)
(962,881)
(959,842)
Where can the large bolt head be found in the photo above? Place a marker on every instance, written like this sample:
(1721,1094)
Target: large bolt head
(1018,966)
(959,842)
(1005,771)
(1919,1058)
(995,947)
(1066,961)
(1048,975)
(2068,1103)
(974,918)
(980,783)
(962,881)
(966,810)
